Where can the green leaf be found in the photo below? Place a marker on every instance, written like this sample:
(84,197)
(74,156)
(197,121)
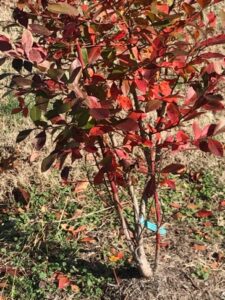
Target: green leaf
(109,54)
(85,55)
(83,117)
(35,114)
(55,74)
(63,8)
(59,107)
(23,135)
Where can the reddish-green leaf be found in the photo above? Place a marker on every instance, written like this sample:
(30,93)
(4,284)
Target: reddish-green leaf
(39,29)
(93,54)
(47,162)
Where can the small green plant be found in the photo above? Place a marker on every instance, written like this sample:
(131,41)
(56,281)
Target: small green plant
(201,272)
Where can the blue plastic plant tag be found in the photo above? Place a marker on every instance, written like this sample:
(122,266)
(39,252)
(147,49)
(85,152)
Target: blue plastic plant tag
(152,226)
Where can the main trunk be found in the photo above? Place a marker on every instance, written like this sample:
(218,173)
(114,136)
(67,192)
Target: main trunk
(141,260)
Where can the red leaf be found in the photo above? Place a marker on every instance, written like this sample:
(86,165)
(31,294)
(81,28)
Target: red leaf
(212,19)
(127,125)
(98,179)
(119,36)
(173,113)
(211,55)
(220,127)
(197,130)
(136,115)
(122,154)
(182,137)
(204,213)
(36,55)
(153,105)
(188,8)
(174,168)
(219,39)
(96,131)
(16,110)
(94,54)
(164,8)
(63,281)
(203,3)
(124,102)
(150,188)
(141,85)
(96,110)
(215,147)
(4,43)
(169,182)
(27,41)
(222,204)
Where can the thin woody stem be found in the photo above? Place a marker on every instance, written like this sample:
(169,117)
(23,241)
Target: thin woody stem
(117,204)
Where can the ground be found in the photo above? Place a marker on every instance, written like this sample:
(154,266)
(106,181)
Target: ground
(64,242)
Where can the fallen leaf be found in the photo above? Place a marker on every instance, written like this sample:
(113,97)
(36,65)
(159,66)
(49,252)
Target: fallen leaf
(81,186)
(214,265)
(116,257)
(21,195)
(199,247)
(175,205)
(192,206)
(34,155)
(179,216)
(88,239)
(63,281)
(3,285)
(79,229)
(222,205)
(207,224)
(204,213)
(44,209)
(75,288)
(164,244)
